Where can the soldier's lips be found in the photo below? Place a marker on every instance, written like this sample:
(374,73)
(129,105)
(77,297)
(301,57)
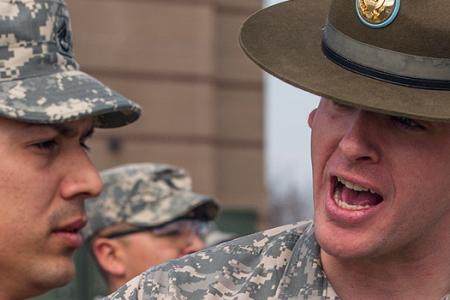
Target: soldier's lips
(69,232)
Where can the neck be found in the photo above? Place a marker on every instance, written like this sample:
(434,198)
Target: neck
(6,297)
(11,289)
(391,277)
(115,283)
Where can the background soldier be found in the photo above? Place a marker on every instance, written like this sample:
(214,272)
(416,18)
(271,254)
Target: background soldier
(146,215)
(380,154)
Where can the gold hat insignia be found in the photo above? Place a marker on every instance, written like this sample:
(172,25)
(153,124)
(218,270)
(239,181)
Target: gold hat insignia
(377,11)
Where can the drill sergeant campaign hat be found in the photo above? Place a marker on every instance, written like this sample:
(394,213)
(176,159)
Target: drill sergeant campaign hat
(146,195)
(40,81)
(388,56)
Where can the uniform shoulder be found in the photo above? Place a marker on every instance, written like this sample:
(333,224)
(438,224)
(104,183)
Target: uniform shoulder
(197,274)
(264,240)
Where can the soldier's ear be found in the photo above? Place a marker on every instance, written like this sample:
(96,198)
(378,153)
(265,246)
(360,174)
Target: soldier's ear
(108,254)
(311,117)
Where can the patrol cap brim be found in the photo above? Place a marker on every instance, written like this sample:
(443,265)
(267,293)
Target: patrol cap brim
(285,41)
(181,204)
(63,97)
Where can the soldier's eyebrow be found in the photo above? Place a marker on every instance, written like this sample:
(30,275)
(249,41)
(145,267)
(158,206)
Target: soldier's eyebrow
(70,131)
(65,130)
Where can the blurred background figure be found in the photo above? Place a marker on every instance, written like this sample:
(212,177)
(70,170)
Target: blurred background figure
(146,215)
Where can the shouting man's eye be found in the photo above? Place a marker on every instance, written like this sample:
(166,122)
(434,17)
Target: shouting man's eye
(408,123)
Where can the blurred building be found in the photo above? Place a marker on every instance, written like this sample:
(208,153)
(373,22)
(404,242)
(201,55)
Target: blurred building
(202,98)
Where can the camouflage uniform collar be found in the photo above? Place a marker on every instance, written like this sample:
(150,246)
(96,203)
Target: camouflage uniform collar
(305,269)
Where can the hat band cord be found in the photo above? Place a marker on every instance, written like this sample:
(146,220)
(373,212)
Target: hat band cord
(383,64)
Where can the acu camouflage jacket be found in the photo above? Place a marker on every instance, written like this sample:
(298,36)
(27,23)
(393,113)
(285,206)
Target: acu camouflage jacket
(260,266)
(281,263)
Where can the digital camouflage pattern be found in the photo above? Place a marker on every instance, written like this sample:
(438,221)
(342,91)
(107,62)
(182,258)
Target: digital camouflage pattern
(40,81)
(281,263)
(278,264)
(145,194)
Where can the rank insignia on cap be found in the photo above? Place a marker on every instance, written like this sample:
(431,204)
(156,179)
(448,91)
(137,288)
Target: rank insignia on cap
(377,13)
(64,39)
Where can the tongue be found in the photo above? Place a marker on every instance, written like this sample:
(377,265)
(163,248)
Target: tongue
(360,198)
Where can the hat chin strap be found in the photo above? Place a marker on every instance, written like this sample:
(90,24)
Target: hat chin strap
(383,64)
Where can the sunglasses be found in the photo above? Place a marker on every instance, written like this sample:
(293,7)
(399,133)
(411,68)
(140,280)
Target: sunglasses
(183,226)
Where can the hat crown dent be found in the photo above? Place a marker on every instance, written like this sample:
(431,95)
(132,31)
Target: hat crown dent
(421,28)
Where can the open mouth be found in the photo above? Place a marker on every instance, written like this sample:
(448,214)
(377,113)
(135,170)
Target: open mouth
(351,196)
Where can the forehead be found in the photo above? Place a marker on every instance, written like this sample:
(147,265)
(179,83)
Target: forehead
(383,114)
(437,132)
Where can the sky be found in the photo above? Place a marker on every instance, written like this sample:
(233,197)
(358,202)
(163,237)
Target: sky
(287,157)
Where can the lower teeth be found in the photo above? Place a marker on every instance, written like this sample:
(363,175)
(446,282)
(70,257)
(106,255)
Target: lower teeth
(342,204)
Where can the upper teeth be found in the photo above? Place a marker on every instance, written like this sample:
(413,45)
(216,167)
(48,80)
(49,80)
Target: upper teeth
(354,186)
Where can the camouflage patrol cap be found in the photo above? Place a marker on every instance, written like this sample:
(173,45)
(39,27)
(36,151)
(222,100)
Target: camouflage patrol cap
(145,194)
(40,81)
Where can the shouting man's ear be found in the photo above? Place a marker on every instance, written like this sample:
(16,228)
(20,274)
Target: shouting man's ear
(311,117)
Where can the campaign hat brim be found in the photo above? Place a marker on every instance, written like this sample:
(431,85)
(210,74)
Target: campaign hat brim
(285,41)
(65,96)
